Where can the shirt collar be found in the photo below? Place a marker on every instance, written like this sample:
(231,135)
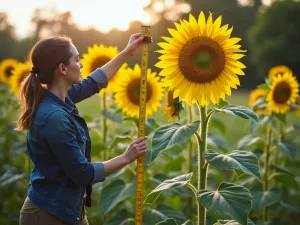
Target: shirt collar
(67,105)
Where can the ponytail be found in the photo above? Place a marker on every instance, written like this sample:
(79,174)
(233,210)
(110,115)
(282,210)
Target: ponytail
(45,56)
(31,94)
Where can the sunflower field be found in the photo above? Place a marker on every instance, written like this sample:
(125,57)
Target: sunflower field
(216,155)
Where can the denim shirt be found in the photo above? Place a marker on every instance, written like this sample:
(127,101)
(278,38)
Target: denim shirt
(59,145)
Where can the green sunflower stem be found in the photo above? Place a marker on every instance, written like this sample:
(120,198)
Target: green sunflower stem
(202,165)
(104,125)
(266,165)
(190,146)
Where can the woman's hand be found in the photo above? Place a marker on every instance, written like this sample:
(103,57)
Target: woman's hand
(134,43)
(135,149)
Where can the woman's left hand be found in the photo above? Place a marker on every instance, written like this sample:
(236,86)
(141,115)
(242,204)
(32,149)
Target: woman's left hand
(134,43)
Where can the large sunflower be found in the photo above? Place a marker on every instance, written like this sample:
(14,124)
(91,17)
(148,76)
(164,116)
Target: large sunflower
(276,70)
(97,56)
(255,95)
(6,68)
(18,75)
(128,89)
(200,61)
(284,90)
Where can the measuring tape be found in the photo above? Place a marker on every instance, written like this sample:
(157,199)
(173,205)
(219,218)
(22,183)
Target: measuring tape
(141,129)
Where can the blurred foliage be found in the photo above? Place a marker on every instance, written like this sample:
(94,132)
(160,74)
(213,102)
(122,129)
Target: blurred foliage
(274,38)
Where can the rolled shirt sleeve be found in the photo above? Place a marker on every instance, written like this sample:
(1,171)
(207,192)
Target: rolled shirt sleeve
(60,136)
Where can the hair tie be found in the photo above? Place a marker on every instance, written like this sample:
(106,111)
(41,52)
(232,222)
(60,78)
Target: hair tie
(35,70)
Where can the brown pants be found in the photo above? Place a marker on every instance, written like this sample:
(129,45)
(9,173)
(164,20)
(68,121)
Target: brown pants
(31,214)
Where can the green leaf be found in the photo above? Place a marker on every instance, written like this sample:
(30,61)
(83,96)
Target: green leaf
(222,103)
(287,148)
(261,199)
(246,162)
(176,182)
(169,221)
(114,193)
(172,213)
(121,138)
(152,216)
(231,222)
(260,103)
(262,86)
(172,134)
(216,141)
(248,140)
(291,206)
(238,111)
(112,115)
(188,222)
(120,217)
(230,200)
(8,178)
(292,128)
(151,125)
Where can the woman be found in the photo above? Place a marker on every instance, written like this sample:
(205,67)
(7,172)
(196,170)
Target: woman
(58,140)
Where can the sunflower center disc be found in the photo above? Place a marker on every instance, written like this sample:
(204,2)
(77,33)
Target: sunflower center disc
(98,62)
(8,71)
(133,91)
(282,93)
(201,60)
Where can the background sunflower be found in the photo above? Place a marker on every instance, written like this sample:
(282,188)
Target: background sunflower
(200,61)
(128,88)
(97,56)
(18,74)
(276,70)
(6,68)
(284,90)
(254,96)
(173,106)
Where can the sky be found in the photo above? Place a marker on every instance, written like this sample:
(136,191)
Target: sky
(103,15)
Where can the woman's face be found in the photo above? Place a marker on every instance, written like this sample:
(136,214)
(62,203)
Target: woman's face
(73,69)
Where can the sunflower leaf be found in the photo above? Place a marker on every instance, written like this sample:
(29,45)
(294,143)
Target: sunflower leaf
(176,182)
(169,135)
(287,147)
(231,222)
(230,200)
(262,86)
(243,161)
(238,111)
(221,104)
(262,199)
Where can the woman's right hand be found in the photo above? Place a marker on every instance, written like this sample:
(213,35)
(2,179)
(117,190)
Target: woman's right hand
(137,148)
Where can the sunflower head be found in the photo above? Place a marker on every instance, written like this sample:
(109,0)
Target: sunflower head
(255,95)
(200,61)
(277,70)
(97,56)
(127,91)
(173,106)
(112,82)
(6,68)
(18,75)
(284,90)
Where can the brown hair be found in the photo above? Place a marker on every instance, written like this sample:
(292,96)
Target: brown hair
(45,56)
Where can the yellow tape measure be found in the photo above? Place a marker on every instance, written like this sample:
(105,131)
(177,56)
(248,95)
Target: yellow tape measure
(141,129)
